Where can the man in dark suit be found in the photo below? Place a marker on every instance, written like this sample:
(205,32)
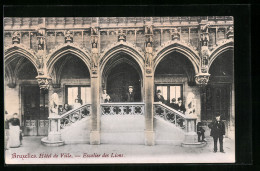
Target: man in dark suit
(173,104)
(158,97)
(130,95)
(217,131)
(180,107)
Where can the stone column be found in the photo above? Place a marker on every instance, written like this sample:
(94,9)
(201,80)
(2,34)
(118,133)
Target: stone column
(95,110)
(148,85)
(149,97)
(95,101)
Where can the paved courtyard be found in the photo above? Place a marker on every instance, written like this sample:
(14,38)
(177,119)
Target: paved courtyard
(33,152)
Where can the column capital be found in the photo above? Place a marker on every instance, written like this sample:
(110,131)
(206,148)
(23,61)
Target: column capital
(202,79)
(44,81)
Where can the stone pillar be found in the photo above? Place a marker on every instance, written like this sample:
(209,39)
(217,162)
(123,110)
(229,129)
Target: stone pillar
(54,134)
(95,109)
(95,85)
(149,97)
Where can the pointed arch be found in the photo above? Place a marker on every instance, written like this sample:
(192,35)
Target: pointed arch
(63,50)
(220,49)
(14,51)
(178,46)
(122,47)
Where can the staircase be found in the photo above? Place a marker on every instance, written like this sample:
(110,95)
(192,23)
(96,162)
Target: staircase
(173,127)
(122,123)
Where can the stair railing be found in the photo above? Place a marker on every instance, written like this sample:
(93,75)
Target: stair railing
(130,108)
(74,115)
(180,120)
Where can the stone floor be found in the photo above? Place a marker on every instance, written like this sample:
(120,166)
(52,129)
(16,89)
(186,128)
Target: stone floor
(33,152)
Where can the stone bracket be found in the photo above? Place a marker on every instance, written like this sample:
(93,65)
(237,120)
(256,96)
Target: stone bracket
(202,78)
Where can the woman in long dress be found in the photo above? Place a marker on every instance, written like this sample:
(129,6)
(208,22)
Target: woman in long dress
(14,131)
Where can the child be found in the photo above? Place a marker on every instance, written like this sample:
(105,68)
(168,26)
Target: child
(200,132)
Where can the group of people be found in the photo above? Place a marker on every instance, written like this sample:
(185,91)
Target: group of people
(217,126)
(179,106)
(129,96)
(13,134)
(63,109)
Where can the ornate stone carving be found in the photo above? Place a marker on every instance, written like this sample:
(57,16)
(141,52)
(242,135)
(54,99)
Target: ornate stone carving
(121,36)
(68,37)
(204,50)
(16,37)
(148,70)
(204,36)
(41,39)
(202,78)
(43,81)
(94,48)
(39,62)
(175,34)
(148,46)
(204,59)
(230,32)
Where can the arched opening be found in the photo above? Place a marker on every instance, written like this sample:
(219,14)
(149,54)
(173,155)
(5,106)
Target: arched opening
(174,76)
(120,122)
(31,101)
(217,95)
(120,72)
(71,80)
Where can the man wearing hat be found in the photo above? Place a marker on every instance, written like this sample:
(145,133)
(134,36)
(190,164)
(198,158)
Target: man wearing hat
(217,131)
(158,97)
(130,95)
(180,107)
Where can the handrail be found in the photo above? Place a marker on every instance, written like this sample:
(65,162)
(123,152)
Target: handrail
(74,115)
(67,113)
(175,117)
(129,108)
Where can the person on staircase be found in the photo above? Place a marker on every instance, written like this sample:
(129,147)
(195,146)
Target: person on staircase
(181,108)
(159,97)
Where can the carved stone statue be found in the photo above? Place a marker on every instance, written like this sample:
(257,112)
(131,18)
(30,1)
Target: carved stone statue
(16,38)
(148,29)
(121,36)
(175,34)
(204,35)
(230,32)
(204,62)
(204,28)
(149,54)
(68,37)
(54,103)
(94,31)
(95,55)
(41,43)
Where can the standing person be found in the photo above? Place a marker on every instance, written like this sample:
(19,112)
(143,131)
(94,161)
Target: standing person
(61,110)
(7,118)
(105,97)
(180,107)
(217,131)
(66,108)
(173,104)
(200,132)
(130,95)
(158,97)
(78,102)
(15,138)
